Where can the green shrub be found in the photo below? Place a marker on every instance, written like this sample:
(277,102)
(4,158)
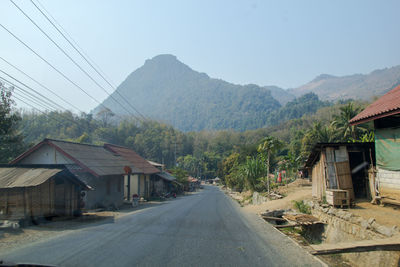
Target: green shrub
(302,207)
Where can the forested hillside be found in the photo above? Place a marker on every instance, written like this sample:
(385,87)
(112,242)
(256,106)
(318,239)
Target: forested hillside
(166,89)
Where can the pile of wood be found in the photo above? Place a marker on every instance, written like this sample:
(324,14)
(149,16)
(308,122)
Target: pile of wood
(279,217)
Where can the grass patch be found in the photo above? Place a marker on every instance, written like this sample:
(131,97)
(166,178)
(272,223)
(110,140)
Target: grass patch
(302,207)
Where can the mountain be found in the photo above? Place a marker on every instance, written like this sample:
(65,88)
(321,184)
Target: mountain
(166,89)
(283,96)
(357,86)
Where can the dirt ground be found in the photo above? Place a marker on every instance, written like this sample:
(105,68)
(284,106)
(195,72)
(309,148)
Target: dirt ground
(298,190)
(387,215)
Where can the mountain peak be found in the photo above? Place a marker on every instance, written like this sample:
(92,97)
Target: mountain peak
(323,77)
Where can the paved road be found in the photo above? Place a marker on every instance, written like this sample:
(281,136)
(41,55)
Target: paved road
(203,229)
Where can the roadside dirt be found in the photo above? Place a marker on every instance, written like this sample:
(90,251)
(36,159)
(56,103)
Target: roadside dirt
(387,215)
(298,190)
(11,239)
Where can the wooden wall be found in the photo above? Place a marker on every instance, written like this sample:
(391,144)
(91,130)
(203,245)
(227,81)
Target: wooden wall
(39,201)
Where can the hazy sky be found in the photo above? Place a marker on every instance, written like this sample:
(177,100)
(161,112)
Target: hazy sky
(283,43)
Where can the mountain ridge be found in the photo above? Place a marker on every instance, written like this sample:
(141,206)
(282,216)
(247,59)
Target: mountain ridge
(168,90)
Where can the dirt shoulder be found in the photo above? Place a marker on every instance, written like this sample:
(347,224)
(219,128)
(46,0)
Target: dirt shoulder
(298,190)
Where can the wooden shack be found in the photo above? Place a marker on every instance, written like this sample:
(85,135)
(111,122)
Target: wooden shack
(31,192)
(341,166)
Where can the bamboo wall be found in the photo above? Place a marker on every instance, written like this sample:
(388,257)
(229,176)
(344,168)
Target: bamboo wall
(39,201)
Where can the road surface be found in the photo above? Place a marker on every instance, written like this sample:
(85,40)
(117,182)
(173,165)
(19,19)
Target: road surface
(203,229)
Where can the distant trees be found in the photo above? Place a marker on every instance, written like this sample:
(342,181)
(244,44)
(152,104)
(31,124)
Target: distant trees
(11,140)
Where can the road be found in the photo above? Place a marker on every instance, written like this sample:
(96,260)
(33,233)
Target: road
(203,229)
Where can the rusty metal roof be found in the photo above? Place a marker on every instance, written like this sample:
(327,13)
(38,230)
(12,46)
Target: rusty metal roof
(387,105)
(166,176)
(25,177)
(95,158)
(140,164)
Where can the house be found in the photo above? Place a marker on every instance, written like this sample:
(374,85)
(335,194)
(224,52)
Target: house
(340,166)
(164,181)
(37,191)
(140,180)
(94,165)
(385,114)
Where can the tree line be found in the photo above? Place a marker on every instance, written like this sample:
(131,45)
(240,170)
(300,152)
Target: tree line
(243,160)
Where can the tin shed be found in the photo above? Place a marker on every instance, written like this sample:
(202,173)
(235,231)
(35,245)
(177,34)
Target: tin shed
(39,191)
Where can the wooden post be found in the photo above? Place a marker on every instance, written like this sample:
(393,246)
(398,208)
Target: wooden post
(129,186)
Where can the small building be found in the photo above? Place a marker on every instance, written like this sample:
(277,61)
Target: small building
(140,180)
(36,191)
(164,182)
(340,166)
(385,114)
(94,165)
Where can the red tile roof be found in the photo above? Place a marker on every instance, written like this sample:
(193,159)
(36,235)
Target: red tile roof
(131,156)
(387,105)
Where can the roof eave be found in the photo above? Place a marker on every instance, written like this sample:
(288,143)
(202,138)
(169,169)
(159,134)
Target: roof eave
(376,117)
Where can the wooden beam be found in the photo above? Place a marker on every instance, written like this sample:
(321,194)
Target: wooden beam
(286,225)
(273,218)
(388,244)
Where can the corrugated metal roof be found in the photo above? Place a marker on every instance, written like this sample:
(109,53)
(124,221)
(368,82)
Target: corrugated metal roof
(388,104)
(140,164)
(155,164)
(96,158)
(166,176)
(11,177)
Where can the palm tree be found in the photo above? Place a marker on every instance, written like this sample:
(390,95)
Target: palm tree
(341,123)
(266,148)
(253,170)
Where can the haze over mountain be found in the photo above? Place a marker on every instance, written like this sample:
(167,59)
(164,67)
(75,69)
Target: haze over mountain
(168,90)
(357,86)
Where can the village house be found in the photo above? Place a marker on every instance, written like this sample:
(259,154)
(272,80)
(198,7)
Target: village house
(140,180)
(94,165)
(164,181)
(30,192)
(385,114)
(340,168)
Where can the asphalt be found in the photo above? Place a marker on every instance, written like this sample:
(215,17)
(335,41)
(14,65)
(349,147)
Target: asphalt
(203,229)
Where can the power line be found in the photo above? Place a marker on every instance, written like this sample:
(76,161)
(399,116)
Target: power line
(52,66)
(38,101)
(40,84)
(68,56)
(83,54)
(48,99)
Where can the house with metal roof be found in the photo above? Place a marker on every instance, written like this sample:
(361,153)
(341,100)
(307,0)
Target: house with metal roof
(140,180)
(30,192)
(146,178)
(385,114)
(96,166)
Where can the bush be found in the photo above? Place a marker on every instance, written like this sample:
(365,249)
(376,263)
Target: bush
(302,207)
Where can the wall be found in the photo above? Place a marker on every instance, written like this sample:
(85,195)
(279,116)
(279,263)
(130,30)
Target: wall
(46,155)
(343,226)
(389,183)
(134,185)
(99,197)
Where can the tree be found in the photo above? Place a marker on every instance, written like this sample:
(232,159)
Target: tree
(266,148)
(11,141)
(254,169)
(341,123)
(105,115)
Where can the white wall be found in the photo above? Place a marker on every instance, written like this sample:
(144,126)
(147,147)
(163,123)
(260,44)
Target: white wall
(388,179)
(46,155)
